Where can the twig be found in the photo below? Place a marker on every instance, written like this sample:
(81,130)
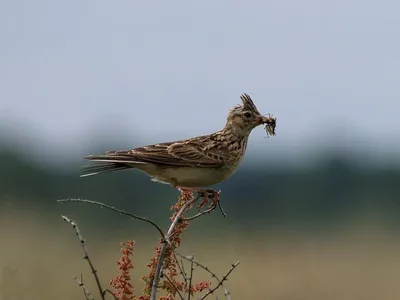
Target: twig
(221,209)
(181,267)
(191,278)
(163,250)
(120,211)
(220,281)
(173,284)
(83,244)
(201,213)
(85,290)
(111,293)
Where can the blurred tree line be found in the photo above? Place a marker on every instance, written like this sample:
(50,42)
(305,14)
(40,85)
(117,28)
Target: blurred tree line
(320,195)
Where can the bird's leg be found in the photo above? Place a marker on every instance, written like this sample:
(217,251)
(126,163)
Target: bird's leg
(207,194)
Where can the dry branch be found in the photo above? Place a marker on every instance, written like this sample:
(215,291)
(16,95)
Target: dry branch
(86,257)
(161,257)
(220,282)
(112,208)
(85,290)
(166,258)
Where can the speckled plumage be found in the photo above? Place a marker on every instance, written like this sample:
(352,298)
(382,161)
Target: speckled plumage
(193,163)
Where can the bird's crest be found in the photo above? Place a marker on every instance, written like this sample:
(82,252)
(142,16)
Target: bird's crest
(247,104)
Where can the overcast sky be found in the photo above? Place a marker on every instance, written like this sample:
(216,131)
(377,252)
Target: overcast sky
(172,69)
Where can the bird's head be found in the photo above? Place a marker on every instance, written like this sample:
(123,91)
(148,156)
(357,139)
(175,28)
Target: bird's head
(245,117)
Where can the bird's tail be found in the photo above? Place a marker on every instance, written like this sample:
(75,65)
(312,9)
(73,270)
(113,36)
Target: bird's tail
(107,163)
(102,167)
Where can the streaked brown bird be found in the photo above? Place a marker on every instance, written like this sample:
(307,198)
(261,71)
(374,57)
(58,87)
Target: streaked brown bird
(194,164)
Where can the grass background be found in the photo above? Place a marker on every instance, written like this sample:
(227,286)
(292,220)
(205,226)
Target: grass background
(38,261)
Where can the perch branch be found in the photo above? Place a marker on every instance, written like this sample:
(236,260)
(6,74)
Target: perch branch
(201,213)
(163,250)
(207,211)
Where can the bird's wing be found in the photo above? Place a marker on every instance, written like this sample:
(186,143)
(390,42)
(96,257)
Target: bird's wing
(205,151)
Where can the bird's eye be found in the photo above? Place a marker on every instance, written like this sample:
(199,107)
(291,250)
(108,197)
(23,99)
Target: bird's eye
(247,115)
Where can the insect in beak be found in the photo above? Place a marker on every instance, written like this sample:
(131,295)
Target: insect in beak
(269,124)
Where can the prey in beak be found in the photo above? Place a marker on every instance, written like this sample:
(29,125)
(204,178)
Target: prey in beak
(269,124)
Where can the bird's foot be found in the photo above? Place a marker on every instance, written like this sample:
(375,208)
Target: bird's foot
(187,194)
(209,194)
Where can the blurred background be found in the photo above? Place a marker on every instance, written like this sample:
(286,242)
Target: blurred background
(313,213)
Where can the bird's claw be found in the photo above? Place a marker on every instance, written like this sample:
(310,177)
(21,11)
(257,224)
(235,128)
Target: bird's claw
(209,194)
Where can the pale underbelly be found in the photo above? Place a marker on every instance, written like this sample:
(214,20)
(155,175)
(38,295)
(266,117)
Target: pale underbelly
(191,177)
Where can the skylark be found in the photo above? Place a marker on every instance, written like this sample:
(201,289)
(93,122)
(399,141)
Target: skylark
(194,164)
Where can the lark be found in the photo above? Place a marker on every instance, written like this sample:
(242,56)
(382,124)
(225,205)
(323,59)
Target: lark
(192,165)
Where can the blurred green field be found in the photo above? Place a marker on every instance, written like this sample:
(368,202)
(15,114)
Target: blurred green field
(38,261)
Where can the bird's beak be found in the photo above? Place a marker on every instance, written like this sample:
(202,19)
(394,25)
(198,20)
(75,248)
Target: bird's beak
(264,120)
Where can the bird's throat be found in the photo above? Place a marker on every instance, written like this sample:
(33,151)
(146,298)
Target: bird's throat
(237,131)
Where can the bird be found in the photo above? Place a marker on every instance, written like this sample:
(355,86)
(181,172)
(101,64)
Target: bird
(195,164)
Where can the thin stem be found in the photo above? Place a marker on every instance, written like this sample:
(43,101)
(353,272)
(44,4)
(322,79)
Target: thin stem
(112,208)
(85,290)
(83,244)
(191,278)
(111,293)
(220,283)
(173,284)
(201,213)
(181,267)
(213,275)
